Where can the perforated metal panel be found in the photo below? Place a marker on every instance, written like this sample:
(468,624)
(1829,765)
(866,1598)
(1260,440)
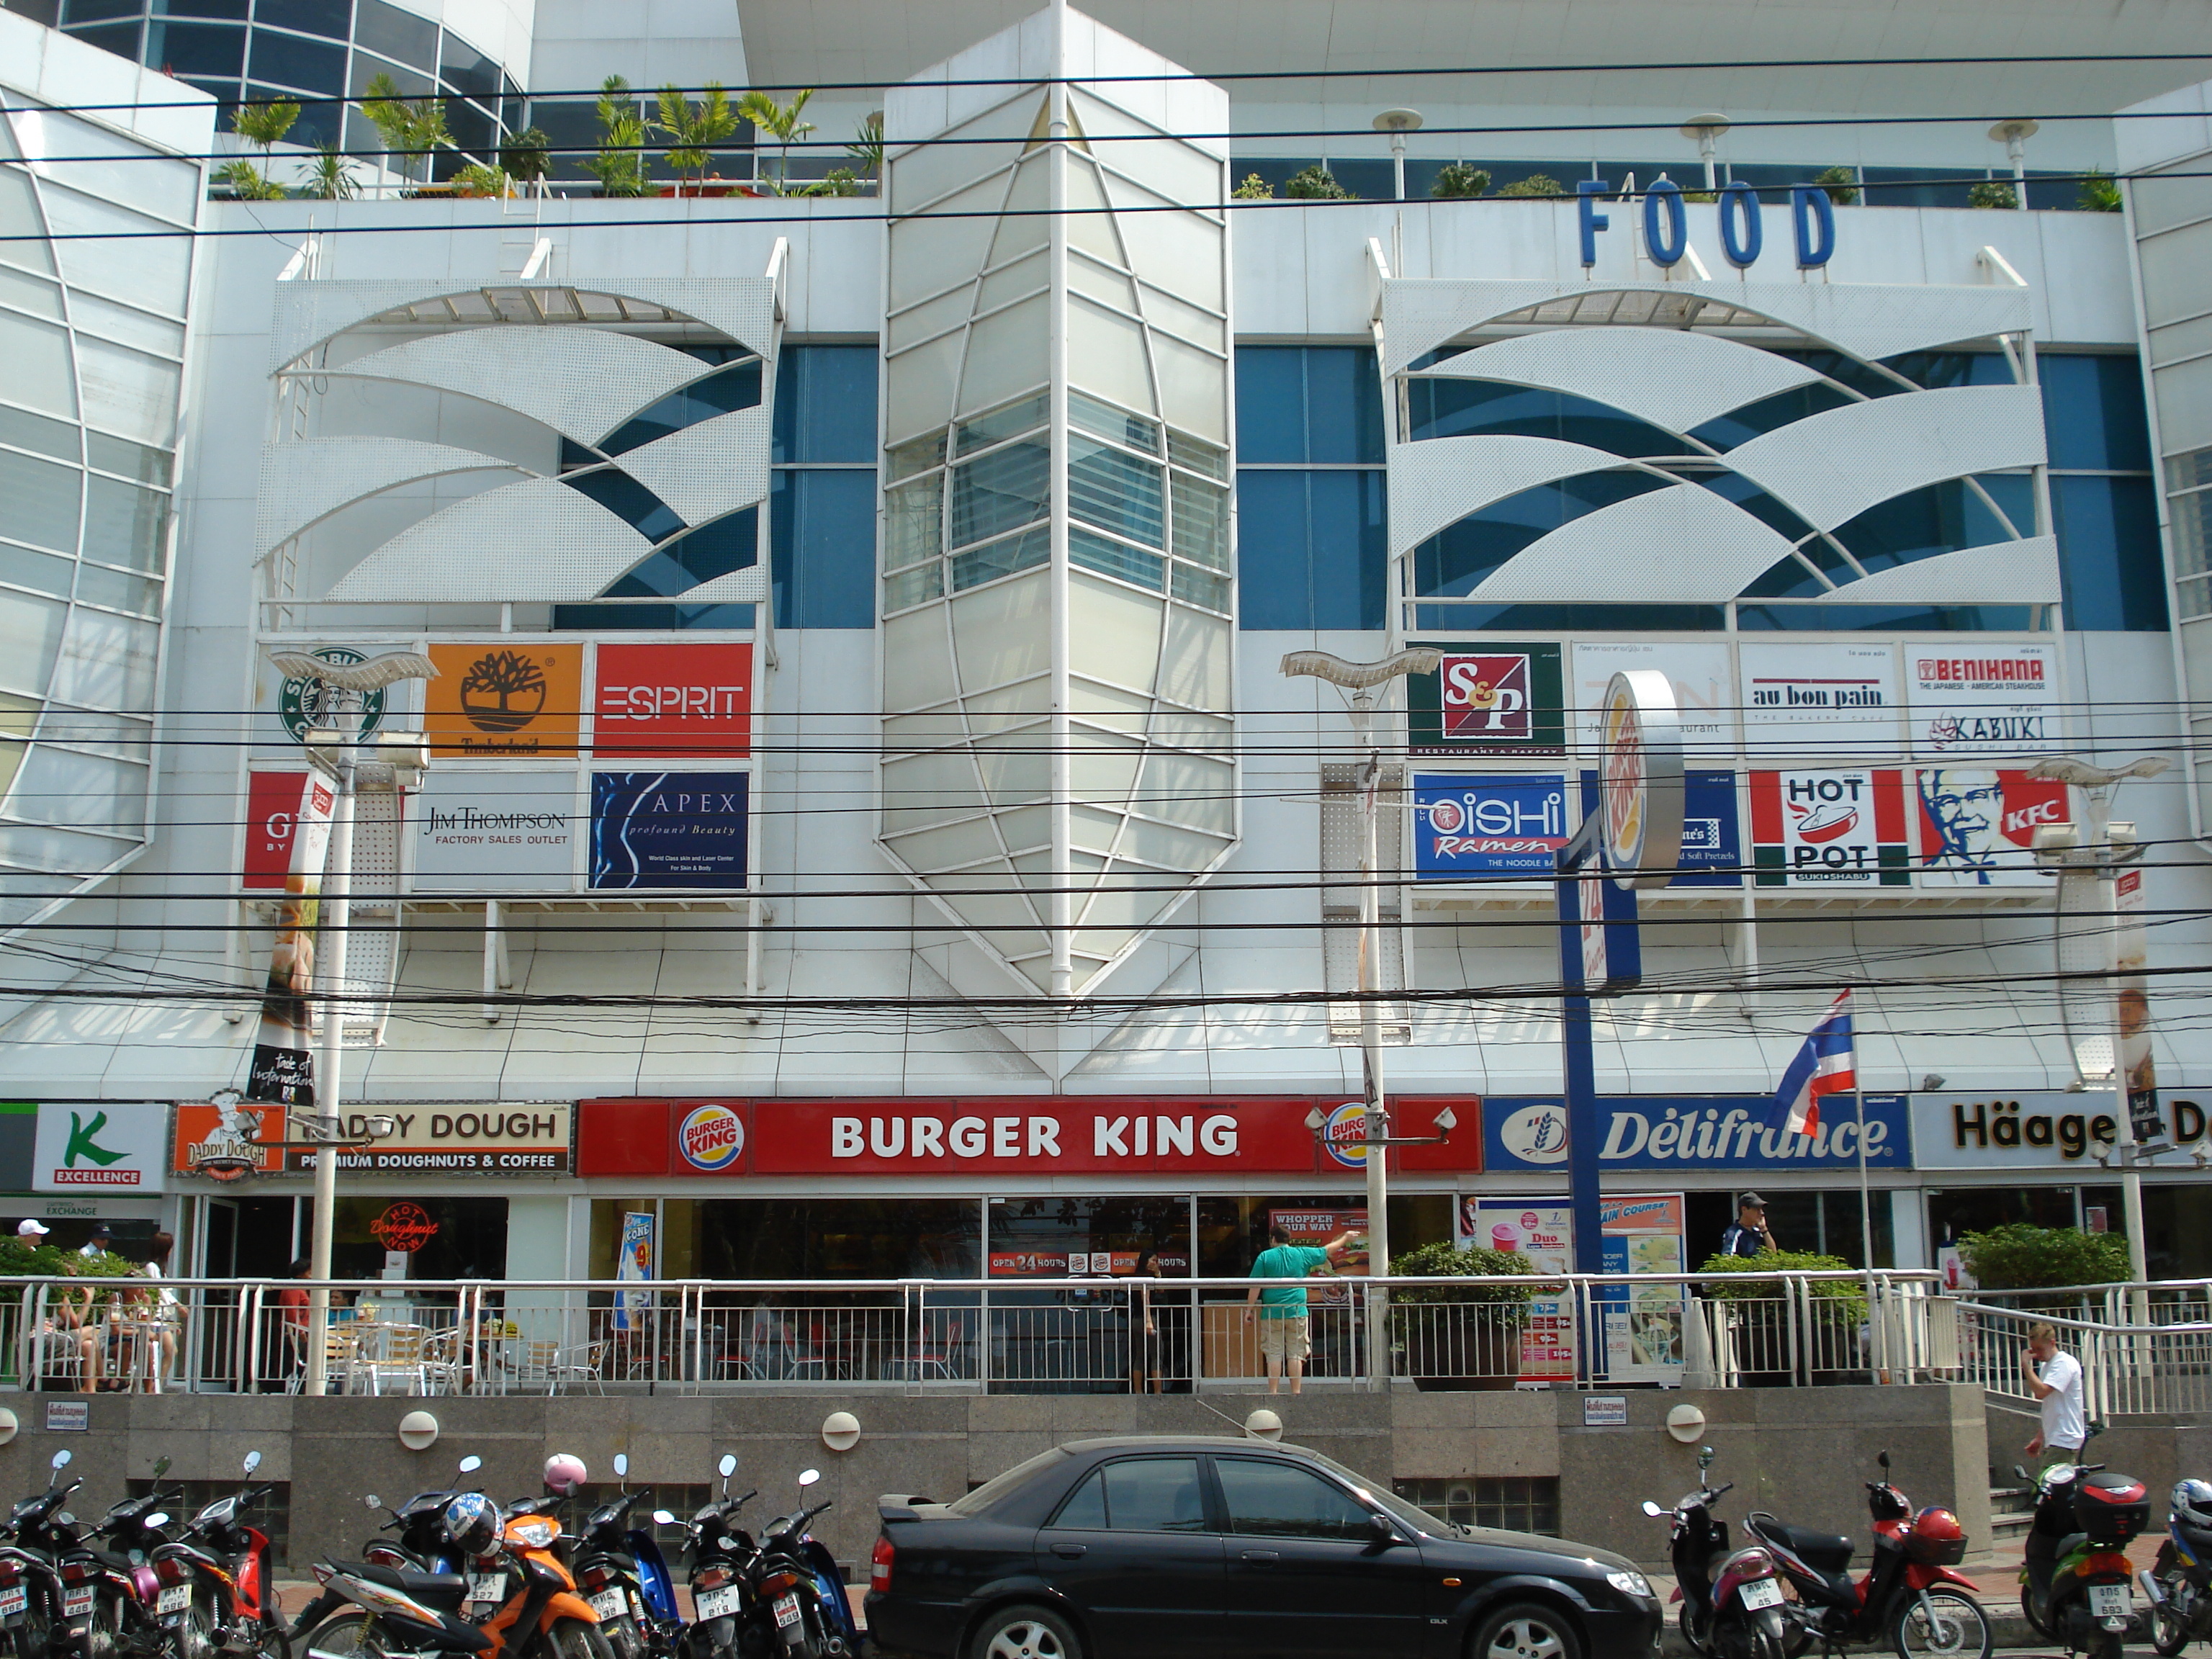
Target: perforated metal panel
(311,478)
(1682,544)
(1439,480)
(2025,571)
(1676,378)
(537,540)
(372,942)
(708,470)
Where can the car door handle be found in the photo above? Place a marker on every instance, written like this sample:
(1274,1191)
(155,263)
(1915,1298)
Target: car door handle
(1263,1555)
(1069,1552)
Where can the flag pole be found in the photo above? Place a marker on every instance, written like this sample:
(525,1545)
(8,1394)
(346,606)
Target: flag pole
(1866,1242)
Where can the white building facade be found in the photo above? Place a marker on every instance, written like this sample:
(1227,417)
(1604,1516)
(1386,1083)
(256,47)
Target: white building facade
(868,829)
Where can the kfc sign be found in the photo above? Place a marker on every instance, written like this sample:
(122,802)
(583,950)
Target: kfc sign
(670,700)
(994,1135)
(1495,698)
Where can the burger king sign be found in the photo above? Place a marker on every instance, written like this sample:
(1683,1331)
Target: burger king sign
(710,1139)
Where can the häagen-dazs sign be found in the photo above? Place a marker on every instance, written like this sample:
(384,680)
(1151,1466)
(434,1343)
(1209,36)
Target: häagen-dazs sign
(1695,1132)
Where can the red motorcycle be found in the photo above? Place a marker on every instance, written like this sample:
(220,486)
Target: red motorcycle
(1731,1600)
(218,1590)
(1909,1599)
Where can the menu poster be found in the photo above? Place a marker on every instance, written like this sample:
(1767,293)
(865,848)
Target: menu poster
(1641,1324)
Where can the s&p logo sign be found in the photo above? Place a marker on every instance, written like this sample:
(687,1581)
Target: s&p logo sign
(1488,697)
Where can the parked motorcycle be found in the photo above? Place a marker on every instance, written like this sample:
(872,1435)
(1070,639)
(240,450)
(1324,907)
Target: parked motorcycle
(38,1529)
(2179,1584)
(110,1597)
(798,1581)
(516,1575)
(2074,1581)
(620,1569)
(1731,1600)
(218,1586)
(1909,1599)
(719,1556)
(421,1547)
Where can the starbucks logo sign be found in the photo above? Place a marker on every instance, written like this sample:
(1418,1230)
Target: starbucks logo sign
(306,704)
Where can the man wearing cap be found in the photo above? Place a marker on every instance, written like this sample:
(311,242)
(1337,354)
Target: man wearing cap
(102,1236)
(31,1232)
(1747,1234)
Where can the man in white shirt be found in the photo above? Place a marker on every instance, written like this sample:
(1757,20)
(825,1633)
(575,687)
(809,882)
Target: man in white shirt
(2054,1377)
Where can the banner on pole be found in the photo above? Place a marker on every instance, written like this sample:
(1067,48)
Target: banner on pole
(283,1073)
(636,1266)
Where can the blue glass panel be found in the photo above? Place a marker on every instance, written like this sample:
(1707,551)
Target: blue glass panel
(999,492)
(611,618)
(1735,487)
(2108,554)
(1741,425)
(1112,558)
(397,34)
(1785,579)
(333,18)
(629,501)
(1938,518)
(1309,404)
(289,61)
(233,9)
(468,71)
(2093,412)
(1310,550)
(825,404)
(212,49)
(822,546)
(718,394)
(1571,618)
(121,39)
(1115,491)
(1450,565)
(1933,369)
(709,551)
(95,11)
(1450,408)
(1900,618)
(1946,187)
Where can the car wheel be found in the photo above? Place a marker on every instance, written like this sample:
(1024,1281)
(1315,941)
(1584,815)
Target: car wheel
(1525,1629)
(1025,1632)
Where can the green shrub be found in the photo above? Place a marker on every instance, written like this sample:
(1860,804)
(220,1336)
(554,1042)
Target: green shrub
(1444,1260)
(2021,1257)
(1456,181)
(1536,183)
(2100,193)
(1254,189)
(1782,1261)
(1992,193)
(1842,184)
(1316,183)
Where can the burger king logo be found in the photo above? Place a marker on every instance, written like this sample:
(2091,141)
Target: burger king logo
(711,1139)
(1346,1124)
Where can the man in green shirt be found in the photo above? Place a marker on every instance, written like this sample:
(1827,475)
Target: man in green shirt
(1281,1308)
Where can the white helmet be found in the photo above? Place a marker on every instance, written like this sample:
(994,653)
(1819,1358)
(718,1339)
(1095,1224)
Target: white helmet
(564,1473)
(2193,1502)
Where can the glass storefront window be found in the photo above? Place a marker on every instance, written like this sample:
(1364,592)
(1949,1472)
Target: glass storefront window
(451,1237)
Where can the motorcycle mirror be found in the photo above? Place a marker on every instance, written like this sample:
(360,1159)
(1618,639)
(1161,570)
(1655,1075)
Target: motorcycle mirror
(160,1468)
(159,1519)
(253,1461)
(663,1518)
(621,1463)
(1883,1458)
(62,1459)
(729,1466)
(2017,1469)
(373,1501)
(470,1464)
(1705,1458)
(808,1477)
(1652,1509)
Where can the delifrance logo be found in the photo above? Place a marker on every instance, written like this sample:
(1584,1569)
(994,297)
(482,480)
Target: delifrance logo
(711,1139)
(1487,696)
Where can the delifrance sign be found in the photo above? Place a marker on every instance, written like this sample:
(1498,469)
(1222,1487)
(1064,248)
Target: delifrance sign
(1677,1133)
(1000,1135)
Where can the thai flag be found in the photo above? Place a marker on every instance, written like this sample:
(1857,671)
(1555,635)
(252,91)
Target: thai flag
(1823,1067)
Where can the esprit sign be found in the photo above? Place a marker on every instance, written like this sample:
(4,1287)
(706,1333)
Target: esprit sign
(1004,1135)
(673,700)
(1665,222)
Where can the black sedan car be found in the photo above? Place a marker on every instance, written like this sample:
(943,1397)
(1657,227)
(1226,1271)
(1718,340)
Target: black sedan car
(1198,1548)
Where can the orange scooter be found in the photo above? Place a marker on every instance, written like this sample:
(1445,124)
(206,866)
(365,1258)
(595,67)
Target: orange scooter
(516,1577)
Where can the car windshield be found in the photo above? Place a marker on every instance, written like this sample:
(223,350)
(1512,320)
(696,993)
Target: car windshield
(1409,1515)
(997,1487)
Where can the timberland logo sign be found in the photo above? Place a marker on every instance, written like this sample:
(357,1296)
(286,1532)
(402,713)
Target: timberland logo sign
(117,1146)
(506,703)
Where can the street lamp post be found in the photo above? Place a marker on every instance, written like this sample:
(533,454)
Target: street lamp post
(1708,130)
(1365,681)
(402,757)
(1398,123)
(2087,871)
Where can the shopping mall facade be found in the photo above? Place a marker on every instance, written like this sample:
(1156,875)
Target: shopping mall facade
(858,622)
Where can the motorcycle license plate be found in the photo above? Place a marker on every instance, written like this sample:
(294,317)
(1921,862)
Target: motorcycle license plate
(1761,1593)
(488,1586)
(2110,1602)
(175,1598)
(76,1603)
(787,1611)
(14,1601)
(610,1604)
(717,1603)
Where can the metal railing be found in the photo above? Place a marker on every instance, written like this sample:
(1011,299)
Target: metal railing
(2130,1363)
(1027,1336)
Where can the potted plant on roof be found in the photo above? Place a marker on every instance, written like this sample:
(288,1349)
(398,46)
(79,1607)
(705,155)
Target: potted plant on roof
(694,130)
(1459,1336)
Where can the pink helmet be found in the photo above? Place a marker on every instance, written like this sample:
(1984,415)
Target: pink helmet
(564,1473)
